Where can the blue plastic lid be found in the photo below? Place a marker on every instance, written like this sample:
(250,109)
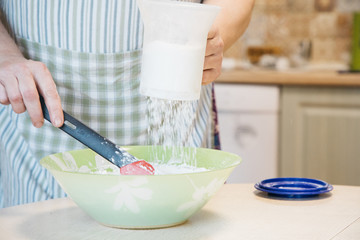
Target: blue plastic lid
(293,187)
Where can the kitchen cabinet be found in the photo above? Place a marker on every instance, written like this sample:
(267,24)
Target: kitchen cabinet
(319,122)
(320,133)
(248,123)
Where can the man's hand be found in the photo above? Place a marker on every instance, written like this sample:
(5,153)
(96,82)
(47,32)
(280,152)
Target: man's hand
(229,25)
(21,80)
(213,56)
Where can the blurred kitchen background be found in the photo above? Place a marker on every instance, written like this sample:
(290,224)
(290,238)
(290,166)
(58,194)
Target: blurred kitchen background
(288,27)
(287,103)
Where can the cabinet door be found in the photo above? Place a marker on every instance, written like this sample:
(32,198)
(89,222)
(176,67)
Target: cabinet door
(320,134)
(248,123)
(253,136)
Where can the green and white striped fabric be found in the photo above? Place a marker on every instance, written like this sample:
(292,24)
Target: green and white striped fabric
(93,50)
(106,26)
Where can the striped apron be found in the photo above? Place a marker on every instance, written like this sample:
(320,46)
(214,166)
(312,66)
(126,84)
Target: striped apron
(93,51)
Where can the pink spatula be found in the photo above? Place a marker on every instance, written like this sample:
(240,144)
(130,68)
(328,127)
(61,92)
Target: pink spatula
(128,164)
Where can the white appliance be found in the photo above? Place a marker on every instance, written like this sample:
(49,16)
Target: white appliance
(248,122)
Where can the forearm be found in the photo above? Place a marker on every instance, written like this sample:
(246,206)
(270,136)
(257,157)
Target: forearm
(233,18)
(7,45)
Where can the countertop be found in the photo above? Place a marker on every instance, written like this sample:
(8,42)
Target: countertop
(294,77)
(237,211)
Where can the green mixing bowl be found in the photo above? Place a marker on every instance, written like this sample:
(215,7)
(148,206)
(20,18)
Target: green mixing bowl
(129,201)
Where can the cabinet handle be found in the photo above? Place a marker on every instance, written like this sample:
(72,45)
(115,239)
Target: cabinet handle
(243,131)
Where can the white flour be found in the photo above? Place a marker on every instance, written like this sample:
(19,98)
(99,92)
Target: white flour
(171,124)
(102,166)
(164,169)
(160,169)
(172,71)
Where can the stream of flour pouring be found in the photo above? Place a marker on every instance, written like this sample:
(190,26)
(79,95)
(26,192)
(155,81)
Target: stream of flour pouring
(171,124)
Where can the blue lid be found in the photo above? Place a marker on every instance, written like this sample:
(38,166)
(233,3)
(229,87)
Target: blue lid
(293,187)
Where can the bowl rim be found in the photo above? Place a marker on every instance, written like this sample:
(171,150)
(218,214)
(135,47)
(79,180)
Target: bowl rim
(239,160)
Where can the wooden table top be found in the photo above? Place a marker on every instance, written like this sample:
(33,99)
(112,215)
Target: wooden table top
(237,211)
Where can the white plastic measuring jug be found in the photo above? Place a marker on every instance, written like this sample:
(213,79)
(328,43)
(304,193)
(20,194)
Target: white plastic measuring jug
(175,35)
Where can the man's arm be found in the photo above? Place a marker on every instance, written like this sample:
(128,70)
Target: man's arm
(7,44)
(229,25)
(21,80)
(233,18)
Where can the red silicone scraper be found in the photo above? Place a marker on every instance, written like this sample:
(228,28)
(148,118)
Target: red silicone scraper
(128,164)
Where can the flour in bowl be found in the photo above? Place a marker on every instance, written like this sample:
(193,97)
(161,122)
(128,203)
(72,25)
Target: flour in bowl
(160,169)
(174,166)
(165,169)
